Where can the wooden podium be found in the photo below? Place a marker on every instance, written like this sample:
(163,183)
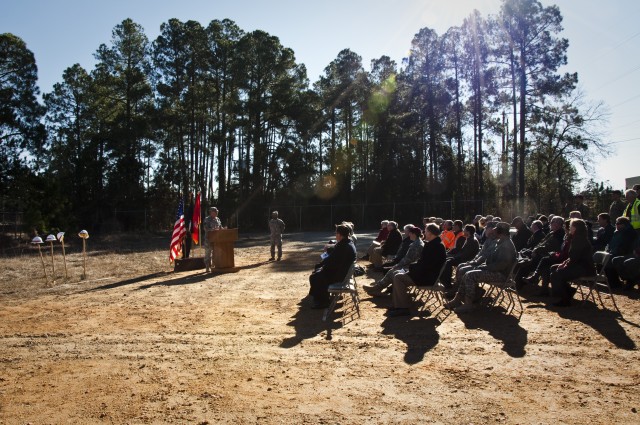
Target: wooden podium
(222,243)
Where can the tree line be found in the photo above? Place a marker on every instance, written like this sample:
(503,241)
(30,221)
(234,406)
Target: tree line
(482,111)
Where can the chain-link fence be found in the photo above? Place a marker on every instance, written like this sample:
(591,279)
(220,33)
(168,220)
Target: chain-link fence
(368,216)
(11,223)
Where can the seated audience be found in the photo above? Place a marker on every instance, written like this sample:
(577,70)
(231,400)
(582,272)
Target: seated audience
(456,257)
(481,257)
(627,267)
(621,245)
(543,270)
(480,228)
(605,232)
(412,255)
(382,236)
(496,268)
(387,247)
(476,220)
(536,236)
(483,238)
(546,225)
(404,247)
(447,236)
(422,273)
(551,243)
(333,268)
(621,242)
(460,237)
(522,234)
(579,264)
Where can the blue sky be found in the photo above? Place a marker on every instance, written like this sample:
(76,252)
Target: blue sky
(604,42)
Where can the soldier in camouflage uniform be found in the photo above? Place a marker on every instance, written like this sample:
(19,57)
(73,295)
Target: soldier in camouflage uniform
(276,226)
(212,222)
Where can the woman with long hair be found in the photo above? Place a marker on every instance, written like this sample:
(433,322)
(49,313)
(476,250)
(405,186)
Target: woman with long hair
(579,264)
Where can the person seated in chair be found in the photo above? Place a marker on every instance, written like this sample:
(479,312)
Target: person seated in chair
(484,236)
(413,254)
(522,234)
(579,264)
(456,257)
(404,247)
(486,249)
(458,231)
(546,225)
(628,266)
(621,245)
(543,270)
(536,235)
(389,246)
(605,232)
(578,214)
(333,268)
(482,221)
(424,272)
(552,242)
(496,269)
(447,235)
(382,236)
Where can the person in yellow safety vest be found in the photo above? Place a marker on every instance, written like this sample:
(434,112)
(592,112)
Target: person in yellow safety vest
(633,209)
(447,236)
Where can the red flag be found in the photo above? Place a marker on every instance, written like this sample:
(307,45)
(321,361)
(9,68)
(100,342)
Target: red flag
(195,221)
(179,230)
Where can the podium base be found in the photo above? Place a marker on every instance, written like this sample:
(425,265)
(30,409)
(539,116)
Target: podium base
(187,264)
(222,270)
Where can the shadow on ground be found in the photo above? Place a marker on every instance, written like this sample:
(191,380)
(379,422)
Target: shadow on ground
(307,323)
(503,327)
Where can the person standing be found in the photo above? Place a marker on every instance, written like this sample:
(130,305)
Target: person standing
(211,223)
(276,227)
(616,209)
(632,211)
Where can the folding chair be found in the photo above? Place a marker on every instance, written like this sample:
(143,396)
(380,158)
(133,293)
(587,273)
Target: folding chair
(598,282)
(500,290)
(337,291)
(431,298)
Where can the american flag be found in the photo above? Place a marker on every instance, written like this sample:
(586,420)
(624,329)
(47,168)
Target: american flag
(179,231)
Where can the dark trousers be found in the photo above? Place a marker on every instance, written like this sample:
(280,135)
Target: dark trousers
(319,284)
(626,268)
(560,280)
(544,268)
(448,271)
(525,267)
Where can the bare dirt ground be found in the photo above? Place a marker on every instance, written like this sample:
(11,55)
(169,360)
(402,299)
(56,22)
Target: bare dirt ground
(136,343)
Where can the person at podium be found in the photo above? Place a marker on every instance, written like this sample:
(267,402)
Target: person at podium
(211,223)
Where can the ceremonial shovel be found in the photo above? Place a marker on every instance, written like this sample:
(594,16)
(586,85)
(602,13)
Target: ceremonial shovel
(38,241)
(60,237)
(84,235)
